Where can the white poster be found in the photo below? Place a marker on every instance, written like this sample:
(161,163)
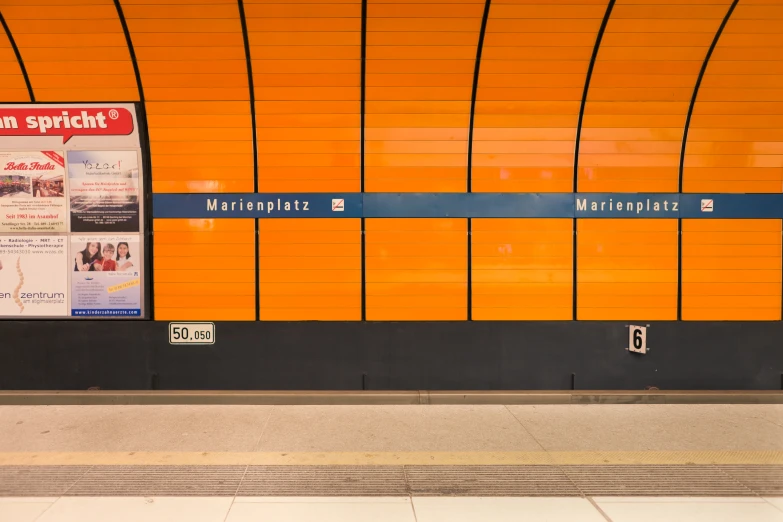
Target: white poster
(33,276)
(105,275)
(104,191)
(32,192)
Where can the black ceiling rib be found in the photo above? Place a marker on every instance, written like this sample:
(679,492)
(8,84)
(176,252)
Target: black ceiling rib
(476,72)
(589,76)
(18,58)
(131,50)
(696,89)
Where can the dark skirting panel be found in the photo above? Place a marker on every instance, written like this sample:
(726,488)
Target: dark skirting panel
(133,355)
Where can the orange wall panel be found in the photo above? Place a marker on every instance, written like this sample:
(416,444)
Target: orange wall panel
(420,63)
(73,50)
(627,269)
(522,269)
(310,269)
(307,81)
(731,269)
(416,269)
(640,91)
(533,66)
(12,84)
(734,140)
(194,73)
(203,269)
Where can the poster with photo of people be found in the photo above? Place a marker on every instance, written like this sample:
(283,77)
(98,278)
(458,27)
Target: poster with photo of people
(32,192)
(104,191)
(33,276)
(106,275)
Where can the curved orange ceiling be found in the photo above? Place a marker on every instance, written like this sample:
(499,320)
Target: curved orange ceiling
(73,50)
(420,64)
(735,142)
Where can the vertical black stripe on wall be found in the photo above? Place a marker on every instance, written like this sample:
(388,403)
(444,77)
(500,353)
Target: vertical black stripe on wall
(251,88)
(679,269)
(470,269)
(18,57)
(599,37)
(573,271)
(687,127)
(144,142)
(474,92)
(362,104)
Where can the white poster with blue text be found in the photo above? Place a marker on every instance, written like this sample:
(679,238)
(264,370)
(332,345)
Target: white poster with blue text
(105,275)
(33,276)
(104,190)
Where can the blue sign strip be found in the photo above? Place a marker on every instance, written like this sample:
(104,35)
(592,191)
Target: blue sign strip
(464,205)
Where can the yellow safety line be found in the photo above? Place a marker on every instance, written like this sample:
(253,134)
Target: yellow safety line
(390,458)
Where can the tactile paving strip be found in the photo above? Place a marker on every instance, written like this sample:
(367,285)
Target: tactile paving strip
(763,480)
(326,481)
(479,480)
(179,481)
(39,481)
(652,480)
(496,481)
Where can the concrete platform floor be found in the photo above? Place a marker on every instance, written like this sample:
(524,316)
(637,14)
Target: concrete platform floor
(402,430)
(412,463)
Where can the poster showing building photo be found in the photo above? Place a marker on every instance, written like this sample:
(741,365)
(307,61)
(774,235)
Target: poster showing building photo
(33,276)
(32,192)
(106,275)
(104,191)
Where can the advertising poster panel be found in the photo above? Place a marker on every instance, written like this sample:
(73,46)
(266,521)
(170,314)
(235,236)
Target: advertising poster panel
(32,191)
(105,275)
(33,276)
(104,191)
(71,175)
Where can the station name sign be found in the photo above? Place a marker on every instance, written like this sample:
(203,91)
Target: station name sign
(469,205)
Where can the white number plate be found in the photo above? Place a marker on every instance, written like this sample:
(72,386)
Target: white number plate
(191,333)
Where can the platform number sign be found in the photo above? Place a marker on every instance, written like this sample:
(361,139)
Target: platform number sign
(637,339)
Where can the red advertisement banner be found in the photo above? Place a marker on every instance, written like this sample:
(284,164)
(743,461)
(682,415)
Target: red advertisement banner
(66,122)
(54,156)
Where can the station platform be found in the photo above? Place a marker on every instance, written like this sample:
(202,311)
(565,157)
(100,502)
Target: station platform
(391,463)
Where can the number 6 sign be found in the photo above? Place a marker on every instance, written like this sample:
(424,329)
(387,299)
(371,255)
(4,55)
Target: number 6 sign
(637,339)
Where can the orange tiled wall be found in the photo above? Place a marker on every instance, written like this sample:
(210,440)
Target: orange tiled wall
(417,269)
(641,87)
(533,66)
(64,57)
(307,80)
(626,269)
(204,269)
(735,143)
(420,61)
(310,269)
(420,64)
(731,269)
(522,269)
(12,85)
(194,72)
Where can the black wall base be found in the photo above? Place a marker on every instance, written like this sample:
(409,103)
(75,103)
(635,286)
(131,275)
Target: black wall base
(136,355)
